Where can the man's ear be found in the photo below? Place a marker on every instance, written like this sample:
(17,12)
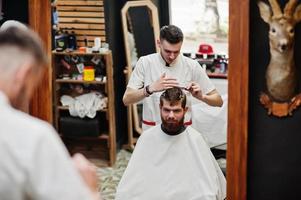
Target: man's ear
(158,43)
(21,75)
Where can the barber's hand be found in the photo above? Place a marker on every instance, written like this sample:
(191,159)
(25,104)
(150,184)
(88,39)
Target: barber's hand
(87,170)
(195,89)
(163,83)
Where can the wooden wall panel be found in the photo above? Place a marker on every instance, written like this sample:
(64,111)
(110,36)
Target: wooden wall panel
(238,99)
(40,21)
(82,17)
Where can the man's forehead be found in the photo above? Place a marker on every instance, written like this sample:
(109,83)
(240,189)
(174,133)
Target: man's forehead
(167,103)
(169,46)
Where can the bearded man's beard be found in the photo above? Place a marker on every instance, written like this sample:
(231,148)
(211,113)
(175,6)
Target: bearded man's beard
(172,126)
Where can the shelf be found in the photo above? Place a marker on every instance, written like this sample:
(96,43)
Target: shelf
(107,135)
(79,81)
(102,136)
(80,53)
(67,108)
(217,75)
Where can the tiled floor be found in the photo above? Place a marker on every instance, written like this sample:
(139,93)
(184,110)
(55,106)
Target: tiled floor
(110,176)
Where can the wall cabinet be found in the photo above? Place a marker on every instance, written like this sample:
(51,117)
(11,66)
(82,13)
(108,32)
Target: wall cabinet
(81,82)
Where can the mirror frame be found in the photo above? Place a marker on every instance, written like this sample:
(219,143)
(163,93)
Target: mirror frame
(238,81)
(238,99)
(132,111)
(40,21)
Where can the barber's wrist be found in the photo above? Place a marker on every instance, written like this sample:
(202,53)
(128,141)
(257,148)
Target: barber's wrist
(148,90)
(203,98)
(145,93)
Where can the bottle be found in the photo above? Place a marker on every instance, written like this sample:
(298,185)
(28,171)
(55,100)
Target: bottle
(65,35)
(86,41)
(89,73)
(72,41)
(60,41)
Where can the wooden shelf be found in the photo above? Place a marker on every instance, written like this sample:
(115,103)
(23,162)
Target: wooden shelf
(102,136)
(106,139)
(79,81)
(81,53)
(67,108)
(217,75)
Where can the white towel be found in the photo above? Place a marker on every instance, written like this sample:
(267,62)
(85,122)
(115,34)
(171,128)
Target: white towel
(85,105)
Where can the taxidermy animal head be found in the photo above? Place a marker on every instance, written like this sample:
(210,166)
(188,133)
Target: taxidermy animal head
(281,77)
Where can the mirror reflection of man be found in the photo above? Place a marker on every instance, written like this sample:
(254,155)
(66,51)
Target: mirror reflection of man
(172,161)
(159,71)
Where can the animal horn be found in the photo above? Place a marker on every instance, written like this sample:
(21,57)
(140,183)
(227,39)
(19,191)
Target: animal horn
(277,13)
(290,8)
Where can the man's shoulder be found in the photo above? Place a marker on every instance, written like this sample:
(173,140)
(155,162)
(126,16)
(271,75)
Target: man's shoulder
(185,58)
(190,65)
(24,132)
(196,135)
(16,120)
(149,57)
(193,132)
(150,131)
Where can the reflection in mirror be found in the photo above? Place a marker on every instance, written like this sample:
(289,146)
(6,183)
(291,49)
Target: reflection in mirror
(140,29)
(205,27)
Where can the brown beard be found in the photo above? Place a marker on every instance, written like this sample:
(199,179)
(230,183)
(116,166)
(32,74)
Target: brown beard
(172,127)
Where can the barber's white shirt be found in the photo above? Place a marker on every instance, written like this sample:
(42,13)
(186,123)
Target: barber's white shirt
(149,69)
(164,167)
(34,163)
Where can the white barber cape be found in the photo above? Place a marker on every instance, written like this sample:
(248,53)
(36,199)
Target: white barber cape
(164,167)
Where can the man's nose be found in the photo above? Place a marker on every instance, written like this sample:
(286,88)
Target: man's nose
(171,115)
(172,56)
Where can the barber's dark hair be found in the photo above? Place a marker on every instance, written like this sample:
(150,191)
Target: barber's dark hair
(173,95)
(171,34)
(24,39)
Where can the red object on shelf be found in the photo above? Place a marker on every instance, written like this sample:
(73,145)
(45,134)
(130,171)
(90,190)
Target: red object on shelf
(205,49)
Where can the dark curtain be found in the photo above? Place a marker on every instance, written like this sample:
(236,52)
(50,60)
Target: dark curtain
(15,10)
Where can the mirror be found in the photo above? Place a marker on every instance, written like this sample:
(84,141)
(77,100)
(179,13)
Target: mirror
(205,27)
(140,24)
(238,82)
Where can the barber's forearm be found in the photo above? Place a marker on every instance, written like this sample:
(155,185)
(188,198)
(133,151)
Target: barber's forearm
(132,96)
(213,100)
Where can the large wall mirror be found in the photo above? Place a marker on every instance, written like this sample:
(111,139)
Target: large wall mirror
(140,29)
(205,24)
(237,77)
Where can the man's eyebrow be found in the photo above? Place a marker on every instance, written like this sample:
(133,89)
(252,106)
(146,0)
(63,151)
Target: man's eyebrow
(171,51)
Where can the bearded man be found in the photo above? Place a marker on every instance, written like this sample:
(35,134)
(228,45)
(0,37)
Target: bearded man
(172,161)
